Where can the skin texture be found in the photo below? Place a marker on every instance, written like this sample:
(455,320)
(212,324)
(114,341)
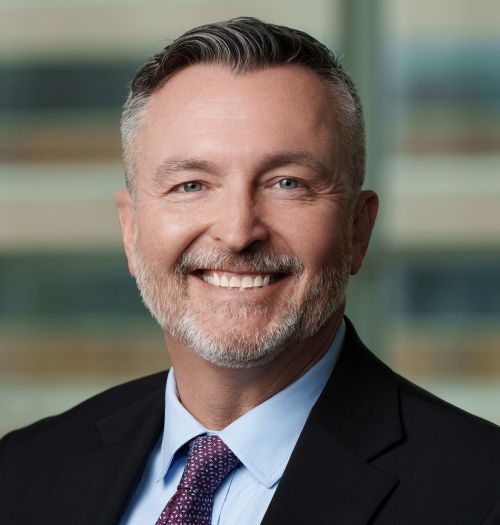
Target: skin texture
(235,164)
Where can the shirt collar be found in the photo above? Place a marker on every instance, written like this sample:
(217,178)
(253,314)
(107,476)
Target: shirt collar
(264,437)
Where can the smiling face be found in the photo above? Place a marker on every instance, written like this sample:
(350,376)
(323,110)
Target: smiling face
(242,237)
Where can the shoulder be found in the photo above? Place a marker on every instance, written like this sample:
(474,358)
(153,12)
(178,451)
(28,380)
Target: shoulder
(432,447)
(422,415)
(77,424)
(451,430)
(446,462)
(82,446)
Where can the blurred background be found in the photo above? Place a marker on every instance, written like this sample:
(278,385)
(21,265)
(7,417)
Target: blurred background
(428,298)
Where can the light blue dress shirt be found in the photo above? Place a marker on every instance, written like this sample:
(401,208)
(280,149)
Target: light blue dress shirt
(263,440)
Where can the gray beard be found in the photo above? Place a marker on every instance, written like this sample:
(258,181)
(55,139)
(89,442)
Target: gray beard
(301,317)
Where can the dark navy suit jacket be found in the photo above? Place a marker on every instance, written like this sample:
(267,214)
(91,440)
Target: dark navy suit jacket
(376,449)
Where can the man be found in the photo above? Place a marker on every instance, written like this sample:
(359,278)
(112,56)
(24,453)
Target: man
(243,219)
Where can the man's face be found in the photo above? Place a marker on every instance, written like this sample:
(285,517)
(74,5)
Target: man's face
(241,236)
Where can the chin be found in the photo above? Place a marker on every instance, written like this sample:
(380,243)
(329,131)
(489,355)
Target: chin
(239,346)
(234,348)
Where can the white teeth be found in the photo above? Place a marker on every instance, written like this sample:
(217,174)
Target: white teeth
(234,282)
(247,282)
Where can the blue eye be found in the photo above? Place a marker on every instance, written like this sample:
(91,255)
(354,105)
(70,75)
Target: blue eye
(191,186)
(288,184)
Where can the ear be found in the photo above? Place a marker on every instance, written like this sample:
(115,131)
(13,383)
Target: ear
(123,202)
(364,215)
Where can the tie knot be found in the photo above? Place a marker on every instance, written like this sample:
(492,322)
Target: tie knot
(209,461)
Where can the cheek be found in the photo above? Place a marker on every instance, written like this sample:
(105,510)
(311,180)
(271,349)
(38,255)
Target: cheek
(317,239)
(165,233)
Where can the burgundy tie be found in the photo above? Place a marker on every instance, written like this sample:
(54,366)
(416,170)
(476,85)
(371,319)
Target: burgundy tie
(208,463)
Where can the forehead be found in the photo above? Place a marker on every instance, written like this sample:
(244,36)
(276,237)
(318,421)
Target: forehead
(209,107)
(213,83)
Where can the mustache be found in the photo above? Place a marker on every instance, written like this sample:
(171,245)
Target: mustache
(260,260)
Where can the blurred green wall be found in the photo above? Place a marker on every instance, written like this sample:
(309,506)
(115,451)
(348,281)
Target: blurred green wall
(428,300)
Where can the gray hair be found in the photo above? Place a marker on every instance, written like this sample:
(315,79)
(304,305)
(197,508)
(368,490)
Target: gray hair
(247,44)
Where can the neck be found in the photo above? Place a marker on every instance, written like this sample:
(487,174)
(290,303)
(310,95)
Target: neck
(216,396)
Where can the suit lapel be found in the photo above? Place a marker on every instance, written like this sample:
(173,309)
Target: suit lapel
(329,478)
(328,485)
(100,483)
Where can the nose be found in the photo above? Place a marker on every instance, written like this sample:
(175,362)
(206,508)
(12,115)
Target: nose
(239,223)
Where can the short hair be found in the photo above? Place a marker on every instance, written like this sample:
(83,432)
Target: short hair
(248,44)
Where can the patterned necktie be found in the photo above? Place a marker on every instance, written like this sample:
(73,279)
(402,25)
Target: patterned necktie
(208,463)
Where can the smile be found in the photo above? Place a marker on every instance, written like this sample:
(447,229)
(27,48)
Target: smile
(241,281)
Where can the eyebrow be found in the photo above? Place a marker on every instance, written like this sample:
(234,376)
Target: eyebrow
(302,158)
(174,165)
(278,159)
